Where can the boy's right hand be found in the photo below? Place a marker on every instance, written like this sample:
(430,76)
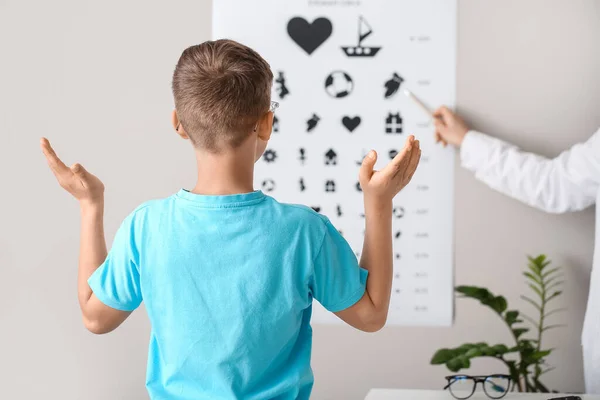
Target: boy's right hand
(384,185)
(85,187)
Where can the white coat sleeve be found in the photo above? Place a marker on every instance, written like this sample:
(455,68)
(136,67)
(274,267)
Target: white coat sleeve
(568,182)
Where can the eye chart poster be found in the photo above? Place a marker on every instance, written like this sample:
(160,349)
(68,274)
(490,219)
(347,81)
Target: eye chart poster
(341,67)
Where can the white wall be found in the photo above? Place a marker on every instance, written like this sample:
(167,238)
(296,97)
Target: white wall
(95,78)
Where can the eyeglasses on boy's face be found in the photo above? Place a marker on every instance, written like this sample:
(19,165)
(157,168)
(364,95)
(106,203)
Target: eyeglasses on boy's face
(463,386)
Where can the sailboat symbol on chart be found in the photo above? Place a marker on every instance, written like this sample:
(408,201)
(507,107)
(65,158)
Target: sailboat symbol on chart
(364,31)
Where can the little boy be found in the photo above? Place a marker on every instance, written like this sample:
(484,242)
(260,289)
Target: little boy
(228,274)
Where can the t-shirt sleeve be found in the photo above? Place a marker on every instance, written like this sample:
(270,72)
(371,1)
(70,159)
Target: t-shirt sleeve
(338,281)
(116,282)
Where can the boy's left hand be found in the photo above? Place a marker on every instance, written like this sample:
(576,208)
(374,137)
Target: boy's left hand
(85,187)
(385,184)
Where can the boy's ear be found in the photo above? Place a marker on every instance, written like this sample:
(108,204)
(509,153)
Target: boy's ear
(265,127)
(177,125)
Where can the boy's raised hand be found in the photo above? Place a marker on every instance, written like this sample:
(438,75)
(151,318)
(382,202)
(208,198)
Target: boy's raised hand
(84,186)
(385,184)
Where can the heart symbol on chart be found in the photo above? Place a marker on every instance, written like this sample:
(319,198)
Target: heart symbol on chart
(351,123)
(309,36)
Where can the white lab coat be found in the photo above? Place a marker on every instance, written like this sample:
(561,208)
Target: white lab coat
(569,182)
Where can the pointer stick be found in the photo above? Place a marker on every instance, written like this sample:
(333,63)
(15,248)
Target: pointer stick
(427,111)
(418,102)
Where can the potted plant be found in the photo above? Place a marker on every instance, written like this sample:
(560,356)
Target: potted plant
(525,358)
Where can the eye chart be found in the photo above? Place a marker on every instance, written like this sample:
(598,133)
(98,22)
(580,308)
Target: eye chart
(340,68)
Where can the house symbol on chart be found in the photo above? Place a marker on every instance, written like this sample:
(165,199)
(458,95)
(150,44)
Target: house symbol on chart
(393,124)
(330,186)
(331,157)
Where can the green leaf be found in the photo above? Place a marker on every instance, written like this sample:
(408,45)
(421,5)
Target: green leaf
(530,276)
(500,349)
(458,363)
(530,320)
(511,317)
(535,270)
(550,272)
(547,328)
(558,310)
(554,295)
(547,370)
(554,285)
(460,357)
(538,355)
(497,303)
(533,303)
(475,352)
(518,332)
(442,356)
(537,290)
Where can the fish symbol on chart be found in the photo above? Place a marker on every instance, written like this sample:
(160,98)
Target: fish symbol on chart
(302,185)
(312,122)
(393,85)
(282,89)
(339,210)
(275,124)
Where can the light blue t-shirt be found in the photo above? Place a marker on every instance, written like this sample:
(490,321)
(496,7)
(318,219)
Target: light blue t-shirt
(228,283)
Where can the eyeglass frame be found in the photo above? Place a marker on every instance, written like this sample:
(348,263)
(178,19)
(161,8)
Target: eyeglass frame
(274,106)
(478,379)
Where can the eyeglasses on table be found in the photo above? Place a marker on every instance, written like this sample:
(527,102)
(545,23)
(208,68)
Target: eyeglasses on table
(463,386)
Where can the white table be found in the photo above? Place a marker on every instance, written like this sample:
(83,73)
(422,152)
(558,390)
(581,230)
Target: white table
(399,394)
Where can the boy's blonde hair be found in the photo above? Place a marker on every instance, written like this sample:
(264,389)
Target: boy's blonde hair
(221,89)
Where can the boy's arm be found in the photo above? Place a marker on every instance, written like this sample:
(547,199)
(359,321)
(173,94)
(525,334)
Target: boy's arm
(379,188)
(89,190)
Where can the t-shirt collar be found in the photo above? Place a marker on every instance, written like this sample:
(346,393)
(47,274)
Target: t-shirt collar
(233,200)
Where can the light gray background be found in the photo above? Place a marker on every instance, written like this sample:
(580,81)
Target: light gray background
(95,78)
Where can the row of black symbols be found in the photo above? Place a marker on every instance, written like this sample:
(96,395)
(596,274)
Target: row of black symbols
(392,154)
(330,157)
(419,275)
(309,36)
(398,212)
(397,235)
(419,290)
(338,210)
(340,84)
(268,185)
(393,123)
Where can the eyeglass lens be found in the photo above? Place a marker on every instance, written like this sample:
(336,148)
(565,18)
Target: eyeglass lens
(462,387)
(496,387)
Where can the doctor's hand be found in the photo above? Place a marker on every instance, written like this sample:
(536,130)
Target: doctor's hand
(82,185)
(449,127)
